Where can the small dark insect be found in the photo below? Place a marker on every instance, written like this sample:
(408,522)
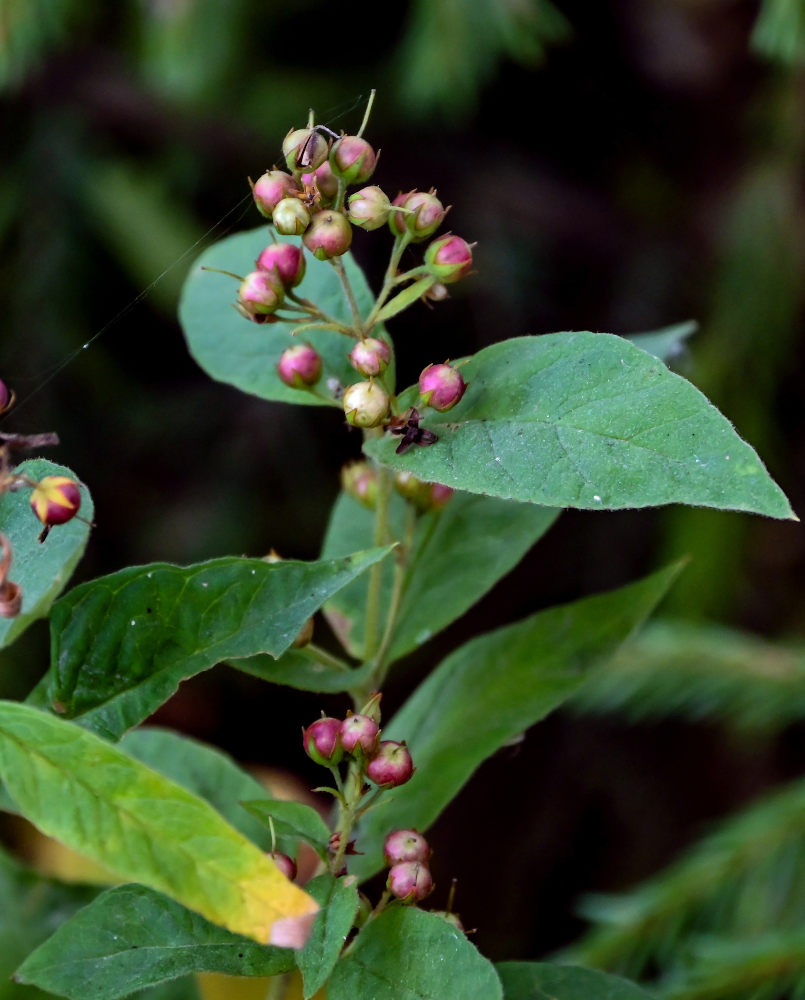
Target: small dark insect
(412,433)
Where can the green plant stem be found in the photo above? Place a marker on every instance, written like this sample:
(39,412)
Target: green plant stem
(338,264)
(400,243)
(346,814)
(319,655)
(376,572)
(313,310)
(367,112)
(401,572)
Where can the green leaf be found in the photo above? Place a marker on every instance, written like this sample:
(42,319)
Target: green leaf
(33,907)
(234,350)
(203,770)
(405,298)
(491,690)
(587,420)
(408,954)
(139,825)
(40,568)
(667,343)
(484,536)
(297,669)
(292,820)
(131,937)
(338,904)
(120,645)
(544,981)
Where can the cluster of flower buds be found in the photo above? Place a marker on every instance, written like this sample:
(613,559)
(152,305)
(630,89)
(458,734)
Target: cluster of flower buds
(386,763)
(279,268)
(406,852)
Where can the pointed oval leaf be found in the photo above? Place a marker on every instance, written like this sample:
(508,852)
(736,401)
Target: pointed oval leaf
(491,690)
(234,350)
(40,568)
(130,938)
(338,904)
(408,954)
(587,420)
(668,343)
(139,825)
(297,670)
(120,645)
(485,536)
(545,981)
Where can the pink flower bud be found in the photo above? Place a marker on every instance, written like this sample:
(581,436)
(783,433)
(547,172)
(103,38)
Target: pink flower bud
(369,208)
(449,258)
(299,366)
(423,217)
(291,218)
(405,845)
(6,397)
(286,260)
(324,180)
(359,732)
(366,404)
(410,881)
(285,864)
(359,480)
(424,496)
(322,741)
(441,387)
(260,292)
(270,189)
(55,500)
(391,766)
(370,356)
(353,159)
(329,234)
(304,149)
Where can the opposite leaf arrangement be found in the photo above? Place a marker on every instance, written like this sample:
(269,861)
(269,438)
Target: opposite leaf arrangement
(462,473)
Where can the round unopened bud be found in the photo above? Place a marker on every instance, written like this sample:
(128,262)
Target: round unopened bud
(285,260)
(55,500)
(322,741)
(353,159)
(286,864)
(405,845)
(423,216)
(441,387)
(359,732)
(329,234)
(410,881)
(305,149)
(6,397)
(449,258)
(299,366)
(369,208)
(359,480)
(391,765)
(271,188)
(366,404)
(291,218)
(323,179)
(260,293)
(370,356)
(424,496)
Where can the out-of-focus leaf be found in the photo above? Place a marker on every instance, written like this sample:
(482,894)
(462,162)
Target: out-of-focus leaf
(779,33)
(544,981)
(667,343)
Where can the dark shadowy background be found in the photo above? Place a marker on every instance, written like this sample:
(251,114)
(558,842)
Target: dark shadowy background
(623,166)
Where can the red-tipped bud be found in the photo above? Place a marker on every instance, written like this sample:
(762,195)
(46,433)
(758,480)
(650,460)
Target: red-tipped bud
(286,864)
(323,179)
(291,218)
(366,404)
(260,293)
(322,741)
(449,258)
(329,234)
(423,216)
(441,387)
(305,149)
(424,496)
(370,356)
(353,159)
(55,500)
(6,397)
(359,732)
(305,635)
(299,366)
(285,260)
(391,766)
(410,881)
(405,845)
(369,208)
(359,480)
(271,188)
